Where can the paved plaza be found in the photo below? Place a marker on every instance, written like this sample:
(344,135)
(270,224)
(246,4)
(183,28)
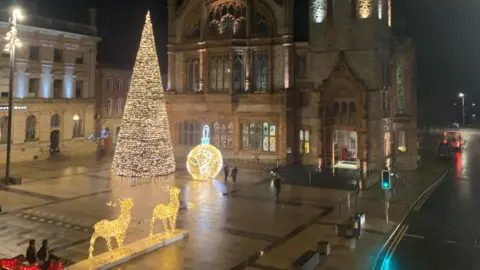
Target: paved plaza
(228,224)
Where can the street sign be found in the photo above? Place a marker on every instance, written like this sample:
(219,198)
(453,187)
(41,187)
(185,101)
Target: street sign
(386,183)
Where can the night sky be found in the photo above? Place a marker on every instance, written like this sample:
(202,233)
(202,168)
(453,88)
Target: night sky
(445,34)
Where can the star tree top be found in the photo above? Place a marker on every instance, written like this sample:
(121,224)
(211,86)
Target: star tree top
(144,147)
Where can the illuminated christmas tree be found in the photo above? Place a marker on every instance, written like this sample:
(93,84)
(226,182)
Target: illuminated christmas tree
(144,147)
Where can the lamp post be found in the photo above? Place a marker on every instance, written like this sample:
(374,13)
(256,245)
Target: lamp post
(13,41)
(462,96)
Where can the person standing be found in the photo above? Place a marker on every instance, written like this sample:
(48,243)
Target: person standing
(31,255)
(234,174)
(278,187)
(226,171)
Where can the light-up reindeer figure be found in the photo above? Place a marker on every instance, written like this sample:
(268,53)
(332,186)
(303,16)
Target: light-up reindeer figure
(167,213)
(113,228)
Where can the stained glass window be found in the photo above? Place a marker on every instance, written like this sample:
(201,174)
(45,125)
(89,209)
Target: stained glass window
(257,136)
(364,8)
(304,141)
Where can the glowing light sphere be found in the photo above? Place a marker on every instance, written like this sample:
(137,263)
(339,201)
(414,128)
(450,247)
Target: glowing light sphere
(204,161)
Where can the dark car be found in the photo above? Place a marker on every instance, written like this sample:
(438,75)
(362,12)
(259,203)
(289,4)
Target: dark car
(444,149)
(454,139)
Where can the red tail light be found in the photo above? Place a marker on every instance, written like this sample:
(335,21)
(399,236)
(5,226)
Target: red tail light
(444,141)
(444,134)
(458,144)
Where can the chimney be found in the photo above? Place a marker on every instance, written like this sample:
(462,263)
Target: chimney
(92,16)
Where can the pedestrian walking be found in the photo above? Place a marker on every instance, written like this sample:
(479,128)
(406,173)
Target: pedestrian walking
(234,174)
(226,171)
(31,255)
(278,187)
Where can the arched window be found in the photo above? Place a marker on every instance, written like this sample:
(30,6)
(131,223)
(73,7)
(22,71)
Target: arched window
(344,109)
(30,128)
(223,134)
(3,129)
(401,141)
(238,70)
(364,8)
(336,109)
(189,132)
(260,72)
(352,110)
(227,20)
(108,106)
(319,10)
(193,74)
(304,141)
(261,28)
(261,137)
(55,121)
(77,126)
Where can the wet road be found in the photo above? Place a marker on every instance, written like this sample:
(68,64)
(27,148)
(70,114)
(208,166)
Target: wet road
(443,229)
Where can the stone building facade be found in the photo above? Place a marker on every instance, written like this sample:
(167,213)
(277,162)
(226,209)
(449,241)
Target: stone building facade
(54,87)
(237,66)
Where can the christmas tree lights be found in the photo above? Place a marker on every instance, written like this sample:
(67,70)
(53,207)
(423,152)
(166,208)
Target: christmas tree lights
(204,161)
(144,147)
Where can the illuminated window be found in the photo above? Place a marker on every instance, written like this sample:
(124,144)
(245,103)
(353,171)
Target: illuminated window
(30,128)
(55,121)
(319,10)
(220,73)
(387,144)
(304,141)
(256,136)
(401,141)
(223,134)
(189,132)
(227,20)
(260,72)
(238,72)
(3,129)
(77,127)
(400,80)
(364,8)
(193,74)
(57,89)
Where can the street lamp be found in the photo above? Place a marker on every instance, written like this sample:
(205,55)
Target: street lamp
(462,96)
(13,42)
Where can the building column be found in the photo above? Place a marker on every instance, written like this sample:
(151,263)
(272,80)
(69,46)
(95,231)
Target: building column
(20,84)
(201,68)
(171,71)
(68,82)
(46,81)
(248,68)
(287,63)
(91,76)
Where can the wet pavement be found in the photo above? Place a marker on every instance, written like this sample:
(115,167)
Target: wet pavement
(229,224)
(443,230)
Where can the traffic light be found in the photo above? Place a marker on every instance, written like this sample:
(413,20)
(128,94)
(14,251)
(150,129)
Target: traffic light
(385,179)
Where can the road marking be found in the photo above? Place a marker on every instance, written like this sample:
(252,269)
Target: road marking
(450,242)
(396,241)
(427,193)
(414,236)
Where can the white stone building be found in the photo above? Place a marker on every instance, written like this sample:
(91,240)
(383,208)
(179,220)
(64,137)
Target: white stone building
(54,87)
